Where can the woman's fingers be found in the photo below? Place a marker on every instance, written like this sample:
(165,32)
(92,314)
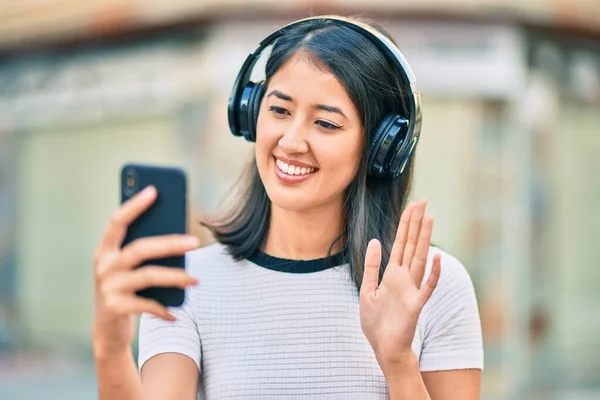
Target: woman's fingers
(140,250)
(148,276)
(427,289)
(120,304)
(414,230)
(401,235)
(118,291)
(153,247)
(370,280)
(116,229)
(419,260)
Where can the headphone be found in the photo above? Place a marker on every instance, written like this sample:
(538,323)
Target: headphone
(395,136)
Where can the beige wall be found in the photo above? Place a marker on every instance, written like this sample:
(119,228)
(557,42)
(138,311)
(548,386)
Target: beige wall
(575,237)
(68,185)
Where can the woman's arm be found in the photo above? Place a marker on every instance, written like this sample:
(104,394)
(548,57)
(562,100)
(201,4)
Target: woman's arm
(170,376)
(409,383)
(462,384)
(406,382)
(165,377)
(117,376)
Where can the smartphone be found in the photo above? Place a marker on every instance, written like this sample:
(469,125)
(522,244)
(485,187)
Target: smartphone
(166,216)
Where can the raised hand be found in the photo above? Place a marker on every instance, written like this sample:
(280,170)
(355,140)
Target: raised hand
(389,310)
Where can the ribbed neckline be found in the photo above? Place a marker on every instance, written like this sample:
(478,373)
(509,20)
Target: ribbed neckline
(297,266)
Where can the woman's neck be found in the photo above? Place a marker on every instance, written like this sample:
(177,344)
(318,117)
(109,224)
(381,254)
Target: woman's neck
(304,235)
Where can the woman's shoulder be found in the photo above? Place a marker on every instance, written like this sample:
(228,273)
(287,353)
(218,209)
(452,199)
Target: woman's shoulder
(210,255)
(452,267)
(450,327)
(455,279)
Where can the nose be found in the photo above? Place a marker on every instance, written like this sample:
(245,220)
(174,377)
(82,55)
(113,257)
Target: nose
(293,140)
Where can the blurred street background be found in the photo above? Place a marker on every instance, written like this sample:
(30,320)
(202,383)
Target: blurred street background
(509,158)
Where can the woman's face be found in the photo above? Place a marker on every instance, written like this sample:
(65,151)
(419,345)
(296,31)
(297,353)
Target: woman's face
(309,137)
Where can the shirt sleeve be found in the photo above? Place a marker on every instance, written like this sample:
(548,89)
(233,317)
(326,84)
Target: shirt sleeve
(451,333)
(157,336)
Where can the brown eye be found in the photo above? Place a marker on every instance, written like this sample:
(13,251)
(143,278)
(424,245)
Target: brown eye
(326,125)
(278,110)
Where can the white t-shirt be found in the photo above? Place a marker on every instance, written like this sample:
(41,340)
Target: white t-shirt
(268,328)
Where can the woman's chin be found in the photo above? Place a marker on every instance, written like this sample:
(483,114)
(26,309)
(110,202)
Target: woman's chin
(289,202)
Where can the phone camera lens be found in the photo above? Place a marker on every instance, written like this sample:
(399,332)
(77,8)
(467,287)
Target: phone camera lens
(130,184)
(130,181)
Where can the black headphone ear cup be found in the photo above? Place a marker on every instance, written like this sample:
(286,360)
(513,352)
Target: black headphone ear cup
(253,109)
(378,153)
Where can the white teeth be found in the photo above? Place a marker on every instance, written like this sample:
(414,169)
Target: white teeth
(292,169)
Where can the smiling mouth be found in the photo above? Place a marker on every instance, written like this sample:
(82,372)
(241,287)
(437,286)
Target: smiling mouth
(293,170)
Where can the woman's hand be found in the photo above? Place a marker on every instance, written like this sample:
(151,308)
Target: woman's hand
(389,311)
(117,280)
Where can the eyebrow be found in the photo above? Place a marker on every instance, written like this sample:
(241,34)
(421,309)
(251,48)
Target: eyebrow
(323,107)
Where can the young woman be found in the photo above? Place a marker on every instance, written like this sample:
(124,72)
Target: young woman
(320,286)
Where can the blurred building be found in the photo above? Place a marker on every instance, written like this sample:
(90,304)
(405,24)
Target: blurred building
(508,158)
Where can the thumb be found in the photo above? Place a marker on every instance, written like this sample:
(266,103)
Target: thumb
(370,280)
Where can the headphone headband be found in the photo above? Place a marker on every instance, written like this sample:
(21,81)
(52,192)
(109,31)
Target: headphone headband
(385,45)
